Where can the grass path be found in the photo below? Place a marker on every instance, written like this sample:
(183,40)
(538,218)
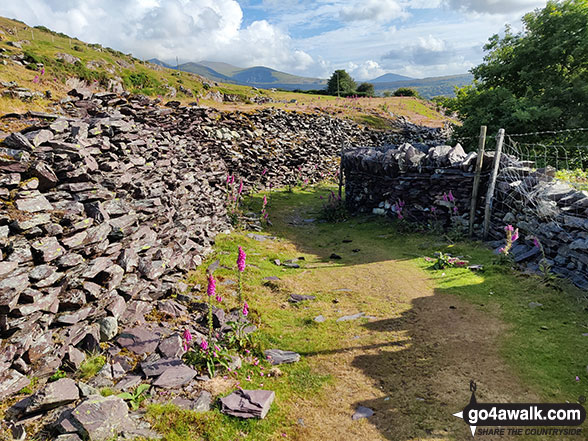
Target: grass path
(424,336)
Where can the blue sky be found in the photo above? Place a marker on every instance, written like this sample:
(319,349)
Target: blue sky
(368,38)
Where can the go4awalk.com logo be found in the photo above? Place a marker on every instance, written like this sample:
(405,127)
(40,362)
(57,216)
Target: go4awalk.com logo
(522,418)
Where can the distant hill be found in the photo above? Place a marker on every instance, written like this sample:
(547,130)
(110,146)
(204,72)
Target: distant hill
(429,87)
(390,77)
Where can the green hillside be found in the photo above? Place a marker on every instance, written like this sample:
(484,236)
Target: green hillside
(429,87)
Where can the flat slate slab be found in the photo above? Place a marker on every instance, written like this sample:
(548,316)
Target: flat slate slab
(248,403)
(175,376)
(158,367)
(362,412)
(277,356)
(138,340)
(347,318)
(101,418)
(296,298)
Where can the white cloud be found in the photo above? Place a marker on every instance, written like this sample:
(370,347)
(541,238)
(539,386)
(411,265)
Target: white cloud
(501,7)
(191,30)
(367,70)
(373,10)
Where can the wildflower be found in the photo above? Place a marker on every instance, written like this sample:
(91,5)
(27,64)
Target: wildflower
(245,309)
(265,216)
(264,172)
(455,210)
(204,345)
(241,186)
(187,339)
(241,260)
(536,243)
(219,298)
(264,201)
(229,179)
(36,79)
(450,197)
(445,197)
(247,351)
(515,235)
(509,228)
(42,71)
(433,210)
(577,378)
(211,289)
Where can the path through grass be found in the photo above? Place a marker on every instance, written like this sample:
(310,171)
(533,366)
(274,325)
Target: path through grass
(424,336)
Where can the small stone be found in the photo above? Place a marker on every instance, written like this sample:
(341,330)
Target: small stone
(319,319)
(277,356)
(362,412)
(248,403)
(335,256)
(534,305)
(108,328)
(351,317)
(171,347)
(297,298)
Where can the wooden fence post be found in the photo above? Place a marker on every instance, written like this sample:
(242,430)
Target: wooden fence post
(492,184)
(341,171)
(479,163)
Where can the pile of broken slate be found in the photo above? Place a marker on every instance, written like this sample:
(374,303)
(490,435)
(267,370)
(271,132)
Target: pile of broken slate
(104,209)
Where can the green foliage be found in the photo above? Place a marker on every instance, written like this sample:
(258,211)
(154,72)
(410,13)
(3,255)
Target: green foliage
(445,260)
(533,80)
(57,375)
(208,359)
(578,178)
(341,83)
(91,366)
(140,80)
(238,339)
(333,209)
(406,91)
(136,397)
(367,89)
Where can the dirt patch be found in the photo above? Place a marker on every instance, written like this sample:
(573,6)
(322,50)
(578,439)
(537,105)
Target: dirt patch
(411,364)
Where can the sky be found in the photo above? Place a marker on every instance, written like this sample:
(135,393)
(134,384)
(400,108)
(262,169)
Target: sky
(368,38)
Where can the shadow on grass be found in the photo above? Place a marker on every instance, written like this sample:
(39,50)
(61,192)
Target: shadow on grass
(473,327)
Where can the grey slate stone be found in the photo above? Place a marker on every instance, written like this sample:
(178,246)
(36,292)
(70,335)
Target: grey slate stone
(277,356)
(248,403)
(175,376)
(101,418)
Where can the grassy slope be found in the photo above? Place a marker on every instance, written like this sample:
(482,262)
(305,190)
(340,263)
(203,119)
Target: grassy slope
(45,45)
(547,360)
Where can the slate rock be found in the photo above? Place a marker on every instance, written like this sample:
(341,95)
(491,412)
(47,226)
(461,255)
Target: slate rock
(171,347)
(347,318)
(362,412)
(157,367)
(319,319)
(18,141)
(175,376)
(248,403)
(11,382)
(200,404)
(101,418)
(108,328)
(138,340)
(47,249)
(55,394)
(277,356)
(33,204)
(297,298)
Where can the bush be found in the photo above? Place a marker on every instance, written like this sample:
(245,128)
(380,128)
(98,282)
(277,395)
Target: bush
(406,91)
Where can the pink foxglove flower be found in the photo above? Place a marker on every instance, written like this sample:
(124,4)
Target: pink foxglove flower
(450,196)
(204,345)
(187,339)
(36,79)
(241,260)
(211,289)
(241,186)
(509,228)
(536,242)
(245,309)
(264,171)
(515,235)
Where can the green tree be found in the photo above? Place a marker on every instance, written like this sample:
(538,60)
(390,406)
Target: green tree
(535,80)
(406,91)
(367,89)
(341,83)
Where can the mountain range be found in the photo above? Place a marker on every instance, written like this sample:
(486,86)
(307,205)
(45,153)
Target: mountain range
(266,78)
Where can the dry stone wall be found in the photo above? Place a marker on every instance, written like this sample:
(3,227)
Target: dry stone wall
(104,210)
(541,207)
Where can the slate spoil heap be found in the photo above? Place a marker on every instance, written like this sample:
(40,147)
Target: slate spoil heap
(103,212)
